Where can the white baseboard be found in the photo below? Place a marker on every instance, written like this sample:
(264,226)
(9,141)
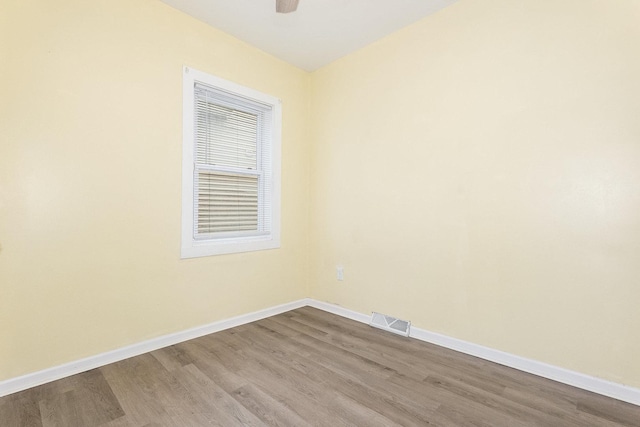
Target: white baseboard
(576,379)
(24,382)
(565,376)
(340,311)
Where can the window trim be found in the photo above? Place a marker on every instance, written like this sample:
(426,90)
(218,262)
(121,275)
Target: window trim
(192,247)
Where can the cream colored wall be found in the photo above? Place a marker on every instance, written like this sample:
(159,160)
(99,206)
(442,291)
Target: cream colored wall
(506,214)
(478,173)
(90,168)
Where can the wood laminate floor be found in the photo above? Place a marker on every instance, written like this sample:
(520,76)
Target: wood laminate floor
(308,368)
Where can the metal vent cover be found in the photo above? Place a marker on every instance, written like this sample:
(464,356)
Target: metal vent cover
(390,324)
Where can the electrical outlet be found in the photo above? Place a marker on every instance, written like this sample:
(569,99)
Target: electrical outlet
(339,272)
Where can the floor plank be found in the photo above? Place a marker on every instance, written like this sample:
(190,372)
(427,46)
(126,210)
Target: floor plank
(307,367)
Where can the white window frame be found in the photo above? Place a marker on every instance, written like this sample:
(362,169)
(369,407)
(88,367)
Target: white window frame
(192,247)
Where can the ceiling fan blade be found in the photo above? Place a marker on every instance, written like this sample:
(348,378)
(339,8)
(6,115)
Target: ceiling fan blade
(286,6)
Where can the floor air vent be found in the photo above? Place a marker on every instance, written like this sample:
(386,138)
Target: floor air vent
(391,324)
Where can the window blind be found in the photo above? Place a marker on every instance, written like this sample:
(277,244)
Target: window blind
(232,178)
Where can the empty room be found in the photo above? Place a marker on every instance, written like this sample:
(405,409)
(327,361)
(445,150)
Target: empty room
(319,213)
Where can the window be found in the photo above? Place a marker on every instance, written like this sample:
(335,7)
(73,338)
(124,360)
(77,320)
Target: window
(230,167)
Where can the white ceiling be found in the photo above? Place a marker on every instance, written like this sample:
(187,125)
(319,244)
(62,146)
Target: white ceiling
(319,32)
